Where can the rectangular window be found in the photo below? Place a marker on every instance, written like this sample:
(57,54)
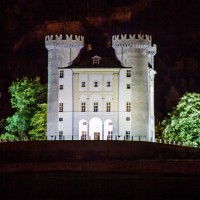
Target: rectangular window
(128,73)
(60,119)
(84,135)
(95,106)
(128,106)
(82,84)
(61,87)
(60,107)
(61,74)
(108,107)
(95,84)
(109,137)
(128,135)
(82,106)
(60,135)
(128,86)
(108,84)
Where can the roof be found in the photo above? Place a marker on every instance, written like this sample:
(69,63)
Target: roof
(107,59)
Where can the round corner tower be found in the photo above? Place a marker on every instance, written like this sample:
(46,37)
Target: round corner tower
(137,53)
(61,53)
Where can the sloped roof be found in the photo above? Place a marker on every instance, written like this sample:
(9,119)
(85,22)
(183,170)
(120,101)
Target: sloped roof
(108,59)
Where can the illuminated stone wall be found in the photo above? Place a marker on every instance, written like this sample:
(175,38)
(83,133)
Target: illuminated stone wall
(137,53)
(61,52)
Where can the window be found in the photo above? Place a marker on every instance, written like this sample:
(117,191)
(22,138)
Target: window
(60,135)
(128,73)
(108,107)
(95,106)
(61,74)
(96,60)
(60,107)
(60,119)
(61,87)
(127,135)
(128,106)
(82,106)
(108,84)
(95,84)
(128,86)
(109,137)
(84,135)
(82,84)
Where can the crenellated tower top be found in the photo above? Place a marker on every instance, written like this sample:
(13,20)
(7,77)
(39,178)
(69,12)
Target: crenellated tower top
(136,41)
(58,41)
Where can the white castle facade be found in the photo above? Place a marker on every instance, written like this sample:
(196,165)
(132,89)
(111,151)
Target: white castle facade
(101,97)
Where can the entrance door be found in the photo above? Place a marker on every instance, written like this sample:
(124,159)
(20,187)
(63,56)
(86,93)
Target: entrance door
(95,129)
(96,135)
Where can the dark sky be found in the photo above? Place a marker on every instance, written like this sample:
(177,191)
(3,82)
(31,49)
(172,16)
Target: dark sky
(173,24)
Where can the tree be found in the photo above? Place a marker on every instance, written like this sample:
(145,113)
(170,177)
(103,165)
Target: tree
(183,123)
(26,94)
(38,123)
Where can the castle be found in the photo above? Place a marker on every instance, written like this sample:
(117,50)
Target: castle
(101,96)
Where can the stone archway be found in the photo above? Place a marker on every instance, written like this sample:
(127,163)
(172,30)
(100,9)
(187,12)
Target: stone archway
(83,129)
(95,129)
(108,130)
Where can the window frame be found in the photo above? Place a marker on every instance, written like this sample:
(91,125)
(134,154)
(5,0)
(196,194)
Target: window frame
(128,73)
(108,106)
(61,74)
(110,135)
(128,106)
(128,86)
(60,135)
(108,84)
(95,83)
(83,84)
(83,106)
(61,106)
(127,135)
(84,135)
(96,106)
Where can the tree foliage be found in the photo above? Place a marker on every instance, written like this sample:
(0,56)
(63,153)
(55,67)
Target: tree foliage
(38,123)
(26,95)
(183,123)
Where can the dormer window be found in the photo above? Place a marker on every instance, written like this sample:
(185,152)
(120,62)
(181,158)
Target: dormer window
(96,60)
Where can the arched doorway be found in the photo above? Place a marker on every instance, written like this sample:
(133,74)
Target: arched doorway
(95,129)
(83,129)
(108,130)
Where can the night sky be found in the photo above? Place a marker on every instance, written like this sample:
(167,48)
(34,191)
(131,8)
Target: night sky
(173,24)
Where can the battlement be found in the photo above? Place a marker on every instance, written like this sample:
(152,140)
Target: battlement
(136,41)
(58,41)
